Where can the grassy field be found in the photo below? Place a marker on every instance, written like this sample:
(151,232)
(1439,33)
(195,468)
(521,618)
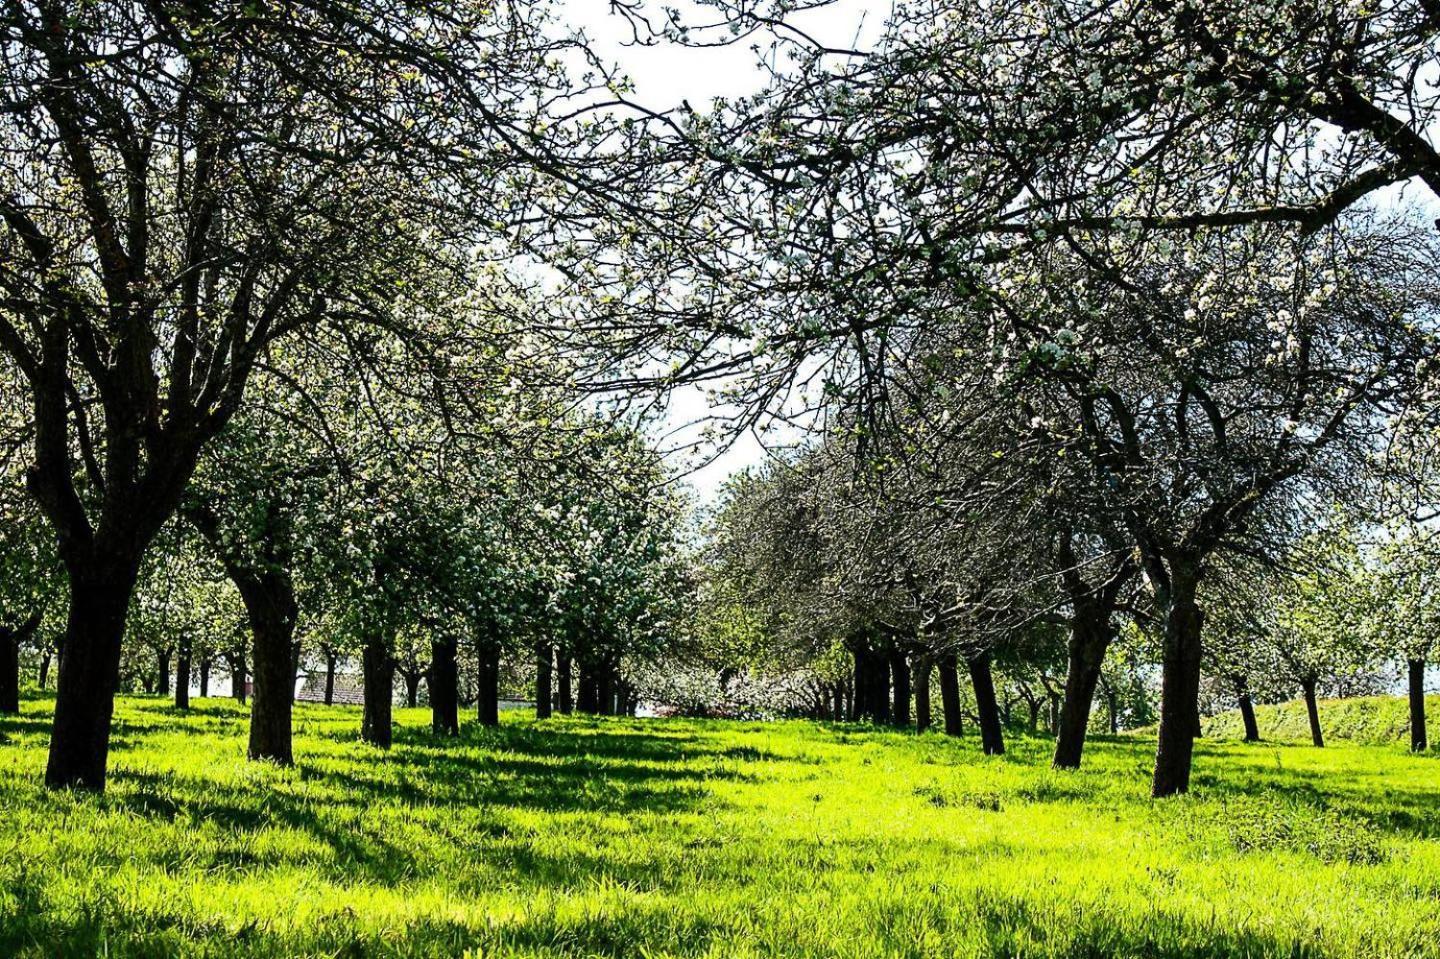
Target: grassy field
(1368,720)
(667,837)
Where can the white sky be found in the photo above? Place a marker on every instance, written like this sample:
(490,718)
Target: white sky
(666,74)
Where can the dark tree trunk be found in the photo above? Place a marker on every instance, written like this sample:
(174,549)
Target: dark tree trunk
(1419,737)
(238,674)
(330,659)
(162,672)
(950,696)
(588,698)
(565,668)
(1247,710)
(89,676)
(269,597)
(9,670)
(1312,710)
(922,693)
(379,679)
(182,674)
(900,683)
(295,651)
(992,736)
(204,677)
(1179,685)
(604,690)
(412,688)
(487,683)
(544,680)
(860,678)
(45,669)
(444,688)
(1090,635)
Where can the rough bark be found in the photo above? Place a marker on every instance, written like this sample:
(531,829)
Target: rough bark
(1090,636)
(587,699)
(1179,684)
(950,696)
(487,683)
(922,693)
(269,597)
(89,674)
(1419,738)
(444,688)
(982,680)
(544,680)
(378,671)
(182,674)
(1312,711)
(204,677)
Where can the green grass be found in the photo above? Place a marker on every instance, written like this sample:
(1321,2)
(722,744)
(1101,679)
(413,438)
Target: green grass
(667,837)
(1369,720)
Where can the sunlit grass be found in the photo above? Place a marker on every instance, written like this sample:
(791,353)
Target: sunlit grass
(665,837)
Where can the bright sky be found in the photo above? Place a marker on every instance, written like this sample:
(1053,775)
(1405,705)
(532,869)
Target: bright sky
(666,74)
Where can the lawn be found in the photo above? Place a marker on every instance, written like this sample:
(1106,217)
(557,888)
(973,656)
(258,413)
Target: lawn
(616,837)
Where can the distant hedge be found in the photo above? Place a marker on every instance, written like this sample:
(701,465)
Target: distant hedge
(1368,719)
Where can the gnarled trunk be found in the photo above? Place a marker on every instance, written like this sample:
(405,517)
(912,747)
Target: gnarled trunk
(544,680)
(269,597)
(378,671)
(444,687)
(992,735)
(1312,711)
(1179,684)
(89,674)
(1090,636)
(1419,739)
(950,696)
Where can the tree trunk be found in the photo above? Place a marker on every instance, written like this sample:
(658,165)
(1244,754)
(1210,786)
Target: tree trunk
(861,681)
(544,680)
(1090,636)
(269,598)
(900,680)
(1179,685)
(238,674)
(1312,710)
(487,683)
(379,679)
(1419,738)
(950,696)
(565,668)
(9,670)
(204,677)
(182,674)
(922,693)
(588,698)
(45,669)
(330,659)
(992,736)
(162,672)
(444,688)
(1247,711)
(412,688)
(89,675)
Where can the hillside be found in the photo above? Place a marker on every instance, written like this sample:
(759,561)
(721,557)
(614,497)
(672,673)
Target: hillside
(1369,720)
(614,837)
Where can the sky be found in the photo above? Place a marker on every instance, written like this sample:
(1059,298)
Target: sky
(666,74)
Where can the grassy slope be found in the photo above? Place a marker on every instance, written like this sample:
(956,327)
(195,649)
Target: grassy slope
(666,837)
(1371,720)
